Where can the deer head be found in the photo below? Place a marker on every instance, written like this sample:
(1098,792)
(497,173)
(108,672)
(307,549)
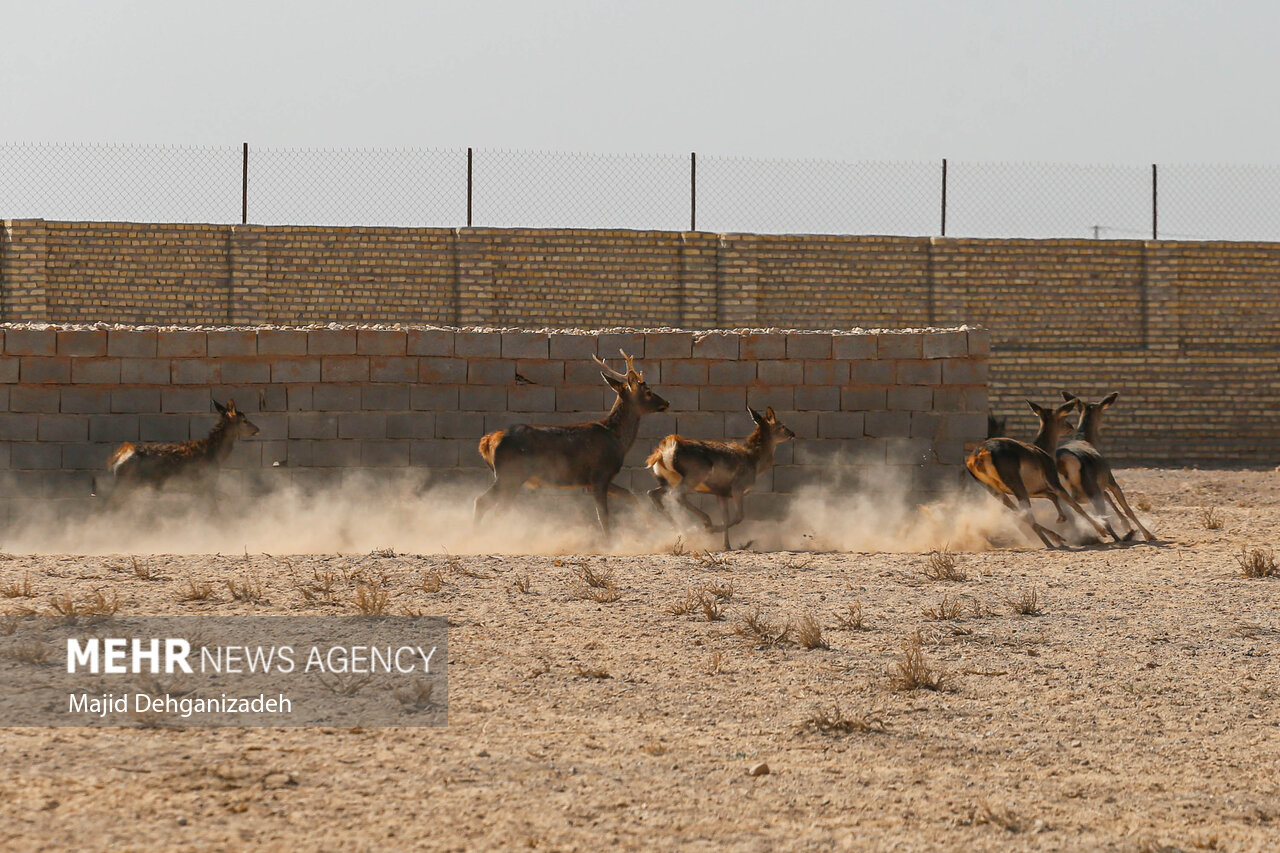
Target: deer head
(770,426)
(1090,413)
(633,391)
(1053,423)
(235,421)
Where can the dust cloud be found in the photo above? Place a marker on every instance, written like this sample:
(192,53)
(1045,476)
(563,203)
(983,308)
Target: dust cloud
(874,512)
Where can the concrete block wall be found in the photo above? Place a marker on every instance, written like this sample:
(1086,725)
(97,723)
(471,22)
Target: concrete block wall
(1189,332)
(330,399)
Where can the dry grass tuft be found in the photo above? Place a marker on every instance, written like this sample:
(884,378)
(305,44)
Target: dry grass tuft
(18,589)
(33,652)
(320,588)
(417,696)
(522,585)
(143,571)
(716,666)
(677,548)
(202,591)
(795,563)
(999,816)
(705,601)
(1211,518)
(432,580)
(1026,603)
(598,673)
(1257,563)
(942,565)
(712,560)
(830,721)
(912,671)
(98,609)
(949,608)
(809,633)
(757,629)
(249,589)
(1142,502)
(371,600)
(852,619)
(598,585)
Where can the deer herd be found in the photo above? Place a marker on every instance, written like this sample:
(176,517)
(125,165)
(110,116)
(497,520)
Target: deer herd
(588,456)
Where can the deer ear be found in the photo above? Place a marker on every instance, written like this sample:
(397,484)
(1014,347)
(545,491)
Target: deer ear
(1034,407)
(1066,408)
(755,416)
(1109,399)
(231,406)
(615,384)
(1070,398)
(768,413)
(222,410)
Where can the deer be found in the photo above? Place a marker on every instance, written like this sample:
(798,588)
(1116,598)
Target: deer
(153,463)
(1008,467)
(1086,472)
(585,455)
(727,470)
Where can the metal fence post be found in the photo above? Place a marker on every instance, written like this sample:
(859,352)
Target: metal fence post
(1155,208)
(693,191)
(469,186)
(944,196)
(244,186)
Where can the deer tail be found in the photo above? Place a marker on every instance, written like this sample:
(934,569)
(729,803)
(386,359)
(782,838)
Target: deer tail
(662,461)
(489,445)
(122,455)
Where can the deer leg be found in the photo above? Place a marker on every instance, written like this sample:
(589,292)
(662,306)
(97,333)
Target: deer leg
(497,494)
(1022,510)
(683,497)
(600,491)
(1114,492)
(1061,494)
(657,496)
(739,514)
(619,492)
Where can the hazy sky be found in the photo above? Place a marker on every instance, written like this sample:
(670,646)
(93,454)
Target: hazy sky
(1084,82)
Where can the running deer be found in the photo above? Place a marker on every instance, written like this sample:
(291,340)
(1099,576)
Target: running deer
(153,464)
(586,455)
(1008,467)
(1085,471)
(727,470)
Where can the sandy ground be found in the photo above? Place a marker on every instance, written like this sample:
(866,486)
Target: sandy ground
(1138,712)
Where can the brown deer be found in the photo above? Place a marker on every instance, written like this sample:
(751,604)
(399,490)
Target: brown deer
(727,470)
(1008,467)
(153,464)
(1086,472)
(586,455)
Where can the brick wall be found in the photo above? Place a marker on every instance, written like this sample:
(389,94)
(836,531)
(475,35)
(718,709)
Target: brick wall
(1188,332)
(348,398)
(420,398)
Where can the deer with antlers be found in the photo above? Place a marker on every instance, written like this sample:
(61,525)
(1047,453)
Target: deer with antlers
(1086,472)
(153,464)
(585,455)
(1008,467)
(727,470)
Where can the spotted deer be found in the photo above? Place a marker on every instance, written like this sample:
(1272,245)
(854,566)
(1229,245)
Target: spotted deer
(153,464)
(727,470)
(587,455)
(1008,467)
(1086,472)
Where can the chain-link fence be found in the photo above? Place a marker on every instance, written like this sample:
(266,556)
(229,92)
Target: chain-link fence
(540,189)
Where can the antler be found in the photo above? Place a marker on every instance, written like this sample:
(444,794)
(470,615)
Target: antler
(601,362)
(631,368)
